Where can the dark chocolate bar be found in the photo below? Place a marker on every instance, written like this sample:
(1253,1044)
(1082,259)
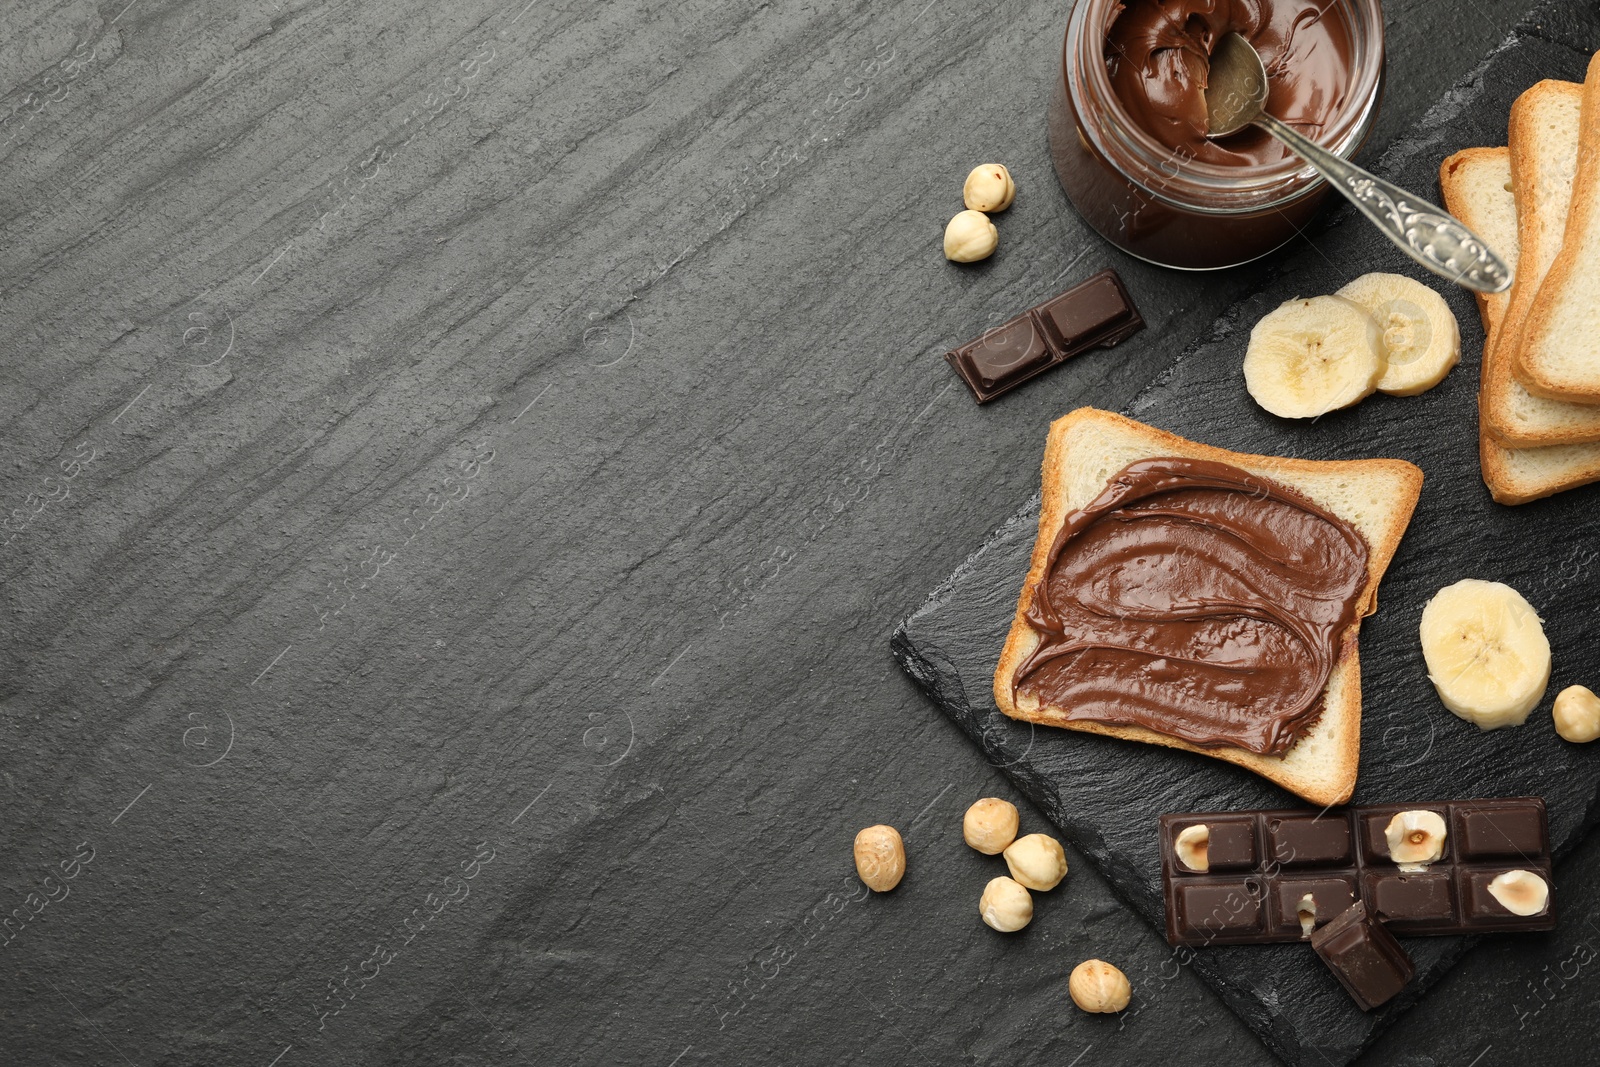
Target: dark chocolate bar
(1364,956)
(1263,865)
(1095,313)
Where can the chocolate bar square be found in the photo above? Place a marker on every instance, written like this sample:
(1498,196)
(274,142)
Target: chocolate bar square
(1499,833)
(1308,840)
(1480,907)
(1004,355)
(1222,912)
(1329,897)
(1410,902)
(1375,821)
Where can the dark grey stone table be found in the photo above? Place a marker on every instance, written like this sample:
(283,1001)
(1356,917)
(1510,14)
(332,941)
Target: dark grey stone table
(462,464)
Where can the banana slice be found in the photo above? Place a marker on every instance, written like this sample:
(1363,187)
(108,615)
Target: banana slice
(1486,651)
(1421,340)
(1310,357)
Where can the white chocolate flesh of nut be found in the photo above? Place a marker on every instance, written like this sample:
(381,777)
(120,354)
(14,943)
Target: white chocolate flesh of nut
(1037,861)
(1520,892)
(1577,714)
(1306,912)
(1005,905)
(969,237)
(990,825)
(1097,986)
(988,188)
(1193,847)
(880,858)
(1416,839)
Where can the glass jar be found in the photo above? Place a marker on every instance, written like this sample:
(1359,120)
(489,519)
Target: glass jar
(1144,198)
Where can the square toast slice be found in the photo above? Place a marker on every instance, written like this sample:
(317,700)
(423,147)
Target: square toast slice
(1087,447)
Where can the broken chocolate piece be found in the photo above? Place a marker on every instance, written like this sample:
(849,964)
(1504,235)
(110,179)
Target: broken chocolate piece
(1364,956)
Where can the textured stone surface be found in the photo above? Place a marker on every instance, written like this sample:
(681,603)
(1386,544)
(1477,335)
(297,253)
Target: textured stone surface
(1105,794)
(283,268)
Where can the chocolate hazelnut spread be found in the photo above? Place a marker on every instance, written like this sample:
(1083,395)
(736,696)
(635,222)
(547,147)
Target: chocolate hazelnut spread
(1199,601)
(1158,55)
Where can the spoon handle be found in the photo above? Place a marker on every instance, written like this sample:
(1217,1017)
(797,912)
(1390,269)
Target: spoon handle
(1427,233)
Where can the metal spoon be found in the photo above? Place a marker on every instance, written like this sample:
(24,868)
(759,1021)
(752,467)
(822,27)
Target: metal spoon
(1234,99)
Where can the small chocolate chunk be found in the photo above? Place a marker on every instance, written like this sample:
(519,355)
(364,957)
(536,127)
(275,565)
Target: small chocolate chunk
(1364,956)
(1095,313)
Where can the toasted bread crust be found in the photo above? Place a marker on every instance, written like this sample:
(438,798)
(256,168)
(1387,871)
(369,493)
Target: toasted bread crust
(1558,288)
(1332,785)
(1569,467)
(1513,475)
(1537,176)
(1454,182)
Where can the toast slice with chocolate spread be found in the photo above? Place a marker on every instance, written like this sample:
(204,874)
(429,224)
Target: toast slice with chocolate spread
(1087,449)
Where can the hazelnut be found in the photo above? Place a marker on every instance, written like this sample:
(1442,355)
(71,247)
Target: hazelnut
(1005,905)
(1192,847)
(1097,986)
(1037,861)
(880,858)
(1306,912)
(969,237)
(1577,714)
(1520,892)
(1416,838)
(990,825)
(989,188)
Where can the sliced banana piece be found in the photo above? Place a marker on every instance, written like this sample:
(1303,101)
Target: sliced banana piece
(1486,651)
(1313,356)
(1421,340)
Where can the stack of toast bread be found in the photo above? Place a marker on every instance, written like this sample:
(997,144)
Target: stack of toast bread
(1537,202)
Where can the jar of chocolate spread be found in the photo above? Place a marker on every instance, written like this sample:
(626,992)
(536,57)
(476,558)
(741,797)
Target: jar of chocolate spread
(1128,122)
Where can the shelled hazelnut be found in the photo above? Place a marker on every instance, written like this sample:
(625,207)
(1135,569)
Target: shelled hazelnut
(1005,905)
(1037,861)
(969,237)
(1520,892)
(1415,838)
(988,188)
(990,825)
(1193,847)
(1096,986)
(880,857)
(1577,714)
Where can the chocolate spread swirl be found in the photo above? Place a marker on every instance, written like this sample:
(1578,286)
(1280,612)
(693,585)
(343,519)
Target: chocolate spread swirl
(1199,601)
(1158,53)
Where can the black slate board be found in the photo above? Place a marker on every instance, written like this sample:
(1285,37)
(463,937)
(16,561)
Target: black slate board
(1105,794)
